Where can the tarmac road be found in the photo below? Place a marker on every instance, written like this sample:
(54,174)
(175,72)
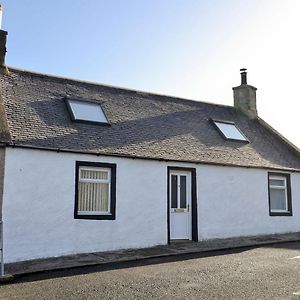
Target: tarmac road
(270,272)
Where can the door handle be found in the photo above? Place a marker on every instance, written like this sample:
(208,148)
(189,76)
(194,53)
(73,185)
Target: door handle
(188,207)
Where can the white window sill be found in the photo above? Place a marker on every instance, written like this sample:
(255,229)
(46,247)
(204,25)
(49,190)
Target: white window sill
(93,213)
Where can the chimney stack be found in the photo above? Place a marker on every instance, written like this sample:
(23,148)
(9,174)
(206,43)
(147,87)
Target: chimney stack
(245,97)
(3,34)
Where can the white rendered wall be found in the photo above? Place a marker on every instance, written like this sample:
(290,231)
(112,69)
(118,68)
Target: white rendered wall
(38,207)
(233,202)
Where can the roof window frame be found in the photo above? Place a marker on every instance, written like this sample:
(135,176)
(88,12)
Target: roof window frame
(76,120)
(213,121)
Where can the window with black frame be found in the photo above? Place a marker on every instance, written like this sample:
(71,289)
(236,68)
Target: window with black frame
(95,194)
(280,202)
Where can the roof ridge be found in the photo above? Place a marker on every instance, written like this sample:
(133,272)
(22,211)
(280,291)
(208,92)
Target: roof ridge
(140,92)
(164,130)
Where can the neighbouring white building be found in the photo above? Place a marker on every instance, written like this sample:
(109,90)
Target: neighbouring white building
(86,167)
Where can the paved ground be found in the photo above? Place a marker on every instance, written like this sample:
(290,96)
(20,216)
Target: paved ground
(269,272)
(125,255)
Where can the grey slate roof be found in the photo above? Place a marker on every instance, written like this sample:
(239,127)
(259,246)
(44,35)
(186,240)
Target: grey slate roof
(142,125)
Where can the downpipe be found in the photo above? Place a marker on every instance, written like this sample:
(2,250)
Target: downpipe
(1,249)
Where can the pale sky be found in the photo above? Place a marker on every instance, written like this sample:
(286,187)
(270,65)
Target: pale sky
(191,49)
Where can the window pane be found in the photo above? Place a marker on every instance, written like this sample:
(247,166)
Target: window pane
(230,131)
(93,174)
(93,197)
(182,191)
(87,111)
(277,182)
(174,196)
(278,199)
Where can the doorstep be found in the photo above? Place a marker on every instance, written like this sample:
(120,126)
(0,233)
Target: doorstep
(113,257)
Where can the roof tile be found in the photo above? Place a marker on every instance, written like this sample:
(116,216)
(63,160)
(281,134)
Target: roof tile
(142,125)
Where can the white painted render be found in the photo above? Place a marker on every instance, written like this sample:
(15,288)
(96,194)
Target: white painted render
(233,202)
(38,205)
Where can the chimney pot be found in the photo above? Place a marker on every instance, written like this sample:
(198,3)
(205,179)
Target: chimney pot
(3,34)
(243,76)
(0,16)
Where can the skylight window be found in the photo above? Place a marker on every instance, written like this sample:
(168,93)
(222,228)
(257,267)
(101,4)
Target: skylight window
(86,111)
(229,131)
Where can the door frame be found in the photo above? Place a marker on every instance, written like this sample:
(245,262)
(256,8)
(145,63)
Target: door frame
(193,200)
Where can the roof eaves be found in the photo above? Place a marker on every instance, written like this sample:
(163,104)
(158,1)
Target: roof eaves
(97,153)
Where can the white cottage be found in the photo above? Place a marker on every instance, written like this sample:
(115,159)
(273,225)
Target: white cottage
(86,167)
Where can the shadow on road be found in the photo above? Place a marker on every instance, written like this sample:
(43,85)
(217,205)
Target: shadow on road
(121,265)
(288,246)
(142,262)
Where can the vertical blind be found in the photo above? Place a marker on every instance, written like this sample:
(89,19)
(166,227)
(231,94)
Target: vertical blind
(93,190)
